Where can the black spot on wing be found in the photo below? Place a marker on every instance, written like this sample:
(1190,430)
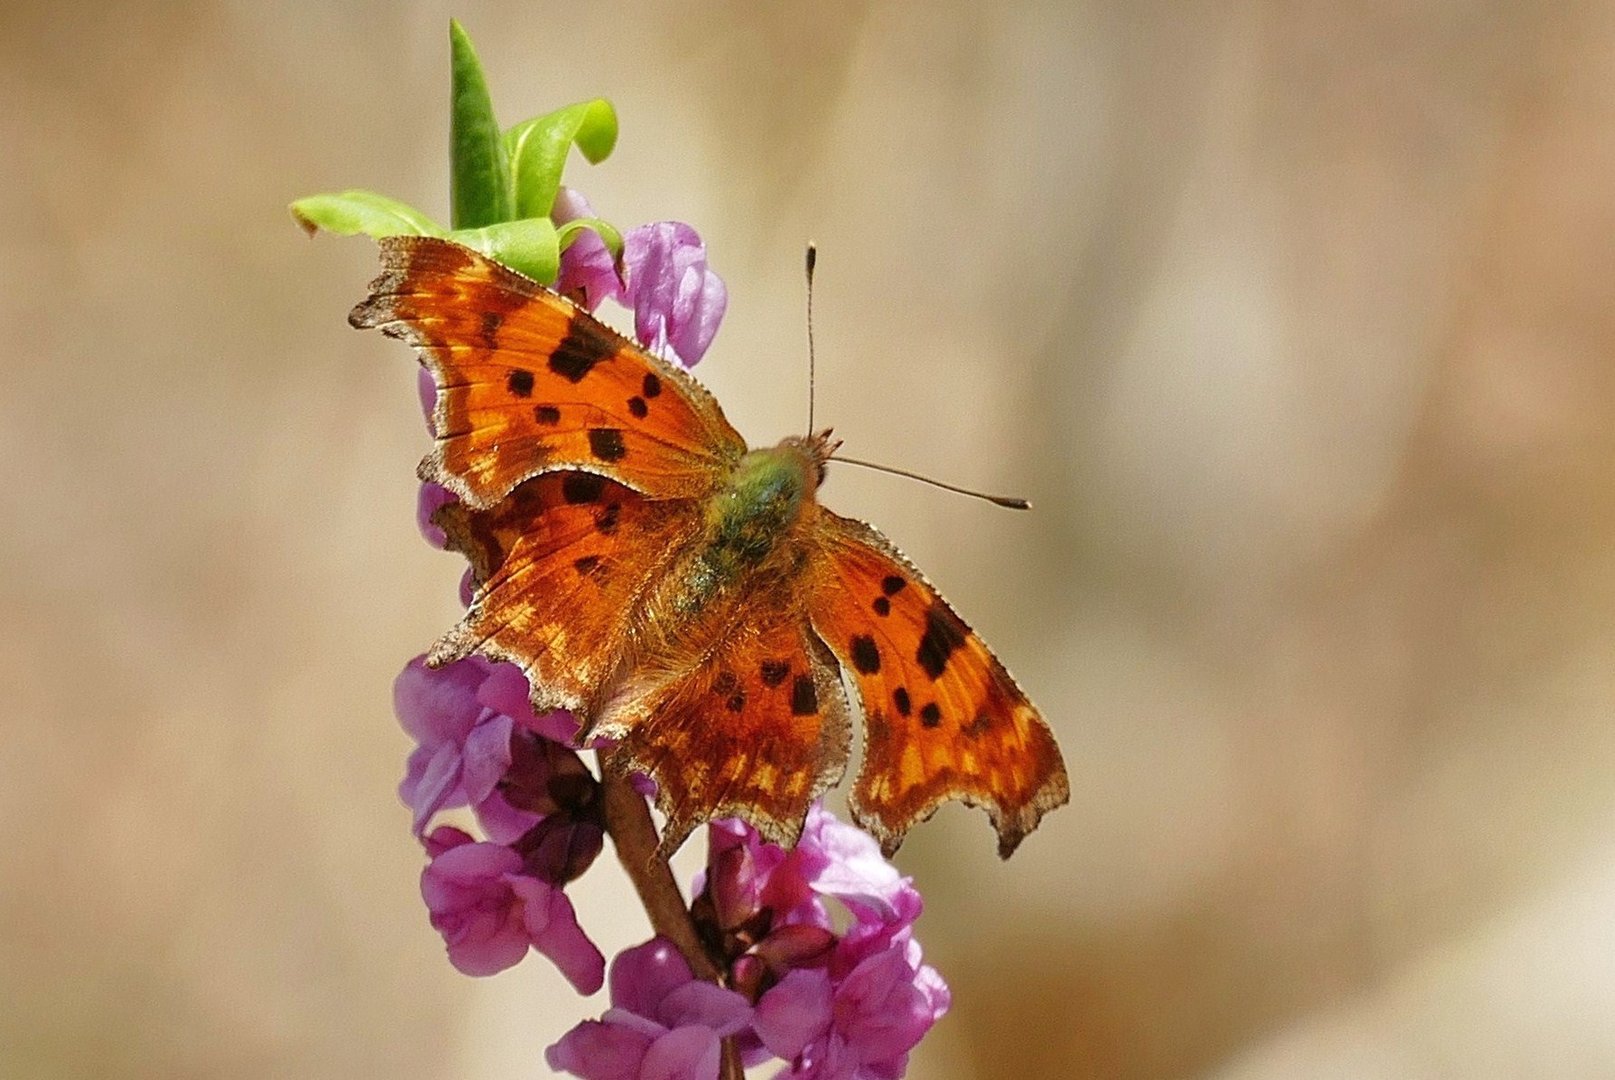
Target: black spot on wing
(804,697)
(891,585)
(548,415)
(637,406)
(606,520)
(900,699)
(586,344)
(606,444)
(725,683)
(491,322)
(587,565)
(944,633)
(652,386)
(520,382)
(773,672)
(865,654)
(883,606)
(582,487)
(931,716)
(736,702)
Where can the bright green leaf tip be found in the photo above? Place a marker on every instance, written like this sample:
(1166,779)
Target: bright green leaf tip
(597,134)
(608,234)
(537,149)
(349,213)
(479,173)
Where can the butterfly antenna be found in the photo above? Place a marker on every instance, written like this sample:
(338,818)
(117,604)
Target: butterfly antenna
(812,259)
(1009,502)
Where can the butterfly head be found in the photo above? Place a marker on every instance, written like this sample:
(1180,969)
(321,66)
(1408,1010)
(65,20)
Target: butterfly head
(815,450)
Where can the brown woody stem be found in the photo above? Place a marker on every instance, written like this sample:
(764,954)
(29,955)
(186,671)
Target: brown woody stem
(633,833)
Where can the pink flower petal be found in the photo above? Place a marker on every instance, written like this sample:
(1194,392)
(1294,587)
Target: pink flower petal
(476,864)
(878,1009)
(428,500)
(588,272)
(487,943)
(485,757)
(645,974)
(677,301)
(438,704)
(851,868)
(472,907)
(501,822)
(794,1013)
(686,1053)
(504,690)
(706,1005)
(552,925)
(600,1051)
(431,783)
(427,388)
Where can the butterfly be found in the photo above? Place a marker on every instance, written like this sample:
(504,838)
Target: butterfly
(682,594)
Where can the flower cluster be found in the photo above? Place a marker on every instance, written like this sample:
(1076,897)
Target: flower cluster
(481,746)
(845,1006)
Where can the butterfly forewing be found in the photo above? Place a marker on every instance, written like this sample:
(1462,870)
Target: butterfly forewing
(942,718)
(529,383)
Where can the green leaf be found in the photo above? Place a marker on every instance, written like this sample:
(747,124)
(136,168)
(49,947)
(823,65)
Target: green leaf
(537,149)
(349,213)
(605,230)
(479,172)
(529,245)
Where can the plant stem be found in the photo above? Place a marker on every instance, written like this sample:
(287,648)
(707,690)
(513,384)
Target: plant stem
(633,833)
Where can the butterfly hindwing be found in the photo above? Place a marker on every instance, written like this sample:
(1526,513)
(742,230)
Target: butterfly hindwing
(561,565)
(529,383)
(942,718)
(757,728)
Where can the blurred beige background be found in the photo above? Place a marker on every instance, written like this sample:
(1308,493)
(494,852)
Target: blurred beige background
(1295,320)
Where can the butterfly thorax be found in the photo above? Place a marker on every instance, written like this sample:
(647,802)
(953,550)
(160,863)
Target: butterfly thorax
(751,516)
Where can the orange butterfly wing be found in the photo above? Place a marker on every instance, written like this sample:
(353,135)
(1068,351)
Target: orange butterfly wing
(529,383)
(756,728)
(562,566)
(942,718)
(585,467)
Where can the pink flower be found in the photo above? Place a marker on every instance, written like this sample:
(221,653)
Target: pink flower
(677,301)
(845,1007)
(588,272)
(490,913)
(842,861)
(464,747)
(859,1026)
(471,718)
(663,1024)
(431,498)
(426,386)
(506,690)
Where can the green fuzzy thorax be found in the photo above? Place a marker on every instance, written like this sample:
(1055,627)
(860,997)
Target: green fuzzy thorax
(748,517)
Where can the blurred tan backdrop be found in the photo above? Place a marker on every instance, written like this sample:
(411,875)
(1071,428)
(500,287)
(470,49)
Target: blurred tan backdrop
(1294,319)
